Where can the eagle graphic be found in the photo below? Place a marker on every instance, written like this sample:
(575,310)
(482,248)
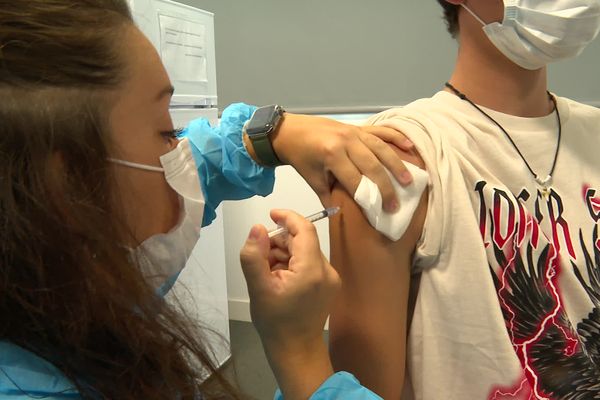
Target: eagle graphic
(559,362)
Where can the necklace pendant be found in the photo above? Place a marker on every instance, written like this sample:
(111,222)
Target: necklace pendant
(545,192)
(545,185)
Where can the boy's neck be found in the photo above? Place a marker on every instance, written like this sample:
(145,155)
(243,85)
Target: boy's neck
(491,80)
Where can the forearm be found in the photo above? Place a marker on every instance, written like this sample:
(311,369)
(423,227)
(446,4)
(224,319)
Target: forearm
(296,129)
(299,371)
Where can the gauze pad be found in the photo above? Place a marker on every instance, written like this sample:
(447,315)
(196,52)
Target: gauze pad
(393,226)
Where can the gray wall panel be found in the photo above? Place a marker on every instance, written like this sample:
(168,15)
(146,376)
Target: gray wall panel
(348,54)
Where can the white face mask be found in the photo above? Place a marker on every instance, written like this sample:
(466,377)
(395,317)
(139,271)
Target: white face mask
(162,257)
(535,33)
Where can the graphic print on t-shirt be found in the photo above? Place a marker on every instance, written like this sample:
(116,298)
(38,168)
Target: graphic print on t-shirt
(560,357)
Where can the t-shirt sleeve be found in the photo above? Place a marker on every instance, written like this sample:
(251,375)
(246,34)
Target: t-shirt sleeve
(429,148)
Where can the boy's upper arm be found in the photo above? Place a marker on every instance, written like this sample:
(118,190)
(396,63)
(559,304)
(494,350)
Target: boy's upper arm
(368,323)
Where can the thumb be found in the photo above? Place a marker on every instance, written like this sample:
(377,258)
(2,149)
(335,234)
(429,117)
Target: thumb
(254,256)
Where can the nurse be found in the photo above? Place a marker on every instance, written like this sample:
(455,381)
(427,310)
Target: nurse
(101,195)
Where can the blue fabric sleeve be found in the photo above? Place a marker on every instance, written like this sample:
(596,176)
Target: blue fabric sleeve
(23,375)
(226,170)
(340,386)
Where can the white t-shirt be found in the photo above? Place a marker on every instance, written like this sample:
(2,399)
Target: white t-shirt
(508,305)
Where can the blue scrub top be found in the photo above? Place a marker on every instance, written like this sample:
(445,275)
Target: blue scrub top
(25,376)
(339,386)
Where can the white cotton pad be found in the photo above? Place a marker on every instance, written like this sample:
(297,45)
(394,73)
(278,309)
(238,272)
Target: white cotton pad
(393,225)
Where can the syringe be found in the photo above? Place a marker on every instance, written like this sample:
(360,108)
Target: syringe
(326,213)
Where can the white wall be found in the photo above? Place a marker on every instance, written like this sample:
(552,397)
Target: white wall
(291,192)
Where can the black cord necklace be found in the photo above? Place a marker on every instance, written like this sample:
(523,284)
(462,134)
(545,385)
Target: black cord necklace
(544,183)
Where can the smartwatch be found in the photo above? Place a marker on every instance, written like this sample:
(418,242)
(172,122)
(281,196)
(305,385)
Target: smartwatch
(259,128)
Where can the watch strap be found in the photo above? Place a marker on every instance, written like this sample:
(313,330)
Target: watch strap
(264,150)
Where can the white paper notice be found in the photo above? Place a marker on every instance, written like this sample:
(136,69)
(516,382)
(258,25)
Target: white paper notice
(183,48)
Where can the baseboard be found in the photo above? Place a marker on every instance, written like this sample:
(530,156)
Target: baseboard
(239,310)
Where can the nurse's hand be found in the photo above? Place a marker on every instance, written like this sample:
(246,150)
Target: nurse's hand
(323,151)
(291,287)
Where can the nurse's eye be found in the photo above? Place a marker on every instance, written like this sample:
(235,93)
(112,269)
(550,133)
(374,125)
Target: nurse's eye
(172,134)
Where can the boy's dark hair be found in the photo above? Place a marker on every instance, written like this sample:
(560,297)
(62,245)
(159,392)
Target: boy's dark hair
(451,16)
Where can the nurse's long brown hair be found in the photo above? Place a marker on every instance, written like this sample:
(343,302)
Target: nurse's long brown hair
(68,292)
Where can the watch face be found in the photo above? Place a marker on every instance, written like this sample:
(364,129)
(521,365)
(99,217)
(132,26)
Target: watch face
(262,120)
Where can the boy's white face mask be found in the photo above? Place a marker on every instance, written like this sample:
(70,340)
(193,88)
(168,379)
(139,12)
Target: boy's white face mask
(162,257)
(535,33)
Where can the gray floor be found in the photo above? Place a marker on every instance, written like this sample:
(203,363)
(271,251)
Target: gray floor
(249,364)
